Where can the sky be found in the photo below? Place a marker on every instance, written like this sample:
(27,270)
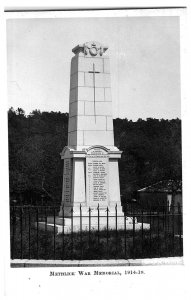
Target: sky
(144,57)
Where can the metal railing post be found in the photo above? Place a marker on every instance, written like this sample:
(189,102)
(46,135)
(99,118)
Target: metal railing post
(72,237)
(21,231)
(89,232)
(63,237)
(13,232)
(133,231)
(173,246)
(29,214)
(98,227)
(158,231)
(125,236)
(46,246)
(165,228)
(116,232)
(150,232)
(81,248)
(180,227)
(142,232)
(54,233)
(107,232)
(37,233)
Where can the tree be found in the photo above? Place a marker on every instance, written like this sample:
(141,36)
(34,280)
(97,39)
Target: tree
(151,152)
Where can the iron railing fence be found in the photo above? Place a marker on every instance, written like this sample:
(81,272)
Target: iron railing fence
(33,237)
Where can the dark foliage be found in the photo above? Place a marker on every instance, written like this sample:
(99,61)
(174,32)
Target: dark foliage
(151,152)
(35,143)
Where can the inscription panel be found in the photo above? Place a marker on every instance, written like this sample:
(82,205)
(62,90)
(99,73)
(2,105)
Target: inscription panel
(97,177)
(67,179)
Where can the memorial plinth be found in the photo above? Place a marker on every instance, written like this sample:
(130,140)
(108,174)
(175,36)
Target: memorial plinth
(91,175)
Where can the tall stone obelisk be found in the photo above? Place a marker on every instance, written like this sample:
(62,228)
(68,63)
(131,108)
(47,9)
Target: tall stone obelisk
(91,175)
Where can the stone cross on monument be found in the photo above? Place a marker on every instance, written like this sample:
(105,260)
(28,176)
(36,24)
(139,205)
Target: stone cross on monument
(91,175)
(94,72)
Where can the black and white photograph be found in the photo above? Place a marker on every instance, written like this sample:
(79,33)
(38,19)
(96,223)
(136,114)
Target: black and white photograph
(95,140)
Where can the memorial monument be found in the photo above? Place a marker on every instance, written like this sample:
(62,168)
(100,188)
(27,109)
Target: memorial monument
(91,175)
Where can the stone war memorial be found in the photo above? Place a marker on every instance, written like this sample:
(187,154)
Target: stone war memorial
(91,187)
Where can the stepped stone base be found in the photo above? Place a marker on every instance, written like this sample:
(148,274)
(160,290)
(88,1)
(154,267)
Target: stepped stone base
(67,225)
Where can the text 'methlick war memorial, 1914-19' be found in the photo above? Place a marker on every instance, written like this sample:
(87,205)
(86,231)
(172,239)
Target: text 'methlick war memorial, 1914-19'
(91,175)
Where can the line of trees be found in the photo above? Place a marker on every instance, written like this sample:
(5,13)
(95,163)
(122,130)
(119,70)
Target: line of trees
(151,152)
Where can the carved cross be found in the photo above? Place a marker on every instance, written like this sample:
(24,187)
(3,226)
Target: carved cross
(94,72)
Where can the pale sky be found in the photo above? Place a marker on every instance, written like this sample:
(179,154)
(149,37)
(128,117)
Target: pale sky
(144,57)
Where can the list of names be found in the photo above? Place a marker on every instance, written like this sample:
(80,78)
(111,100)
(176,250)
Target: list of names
(67,179)
(97,177)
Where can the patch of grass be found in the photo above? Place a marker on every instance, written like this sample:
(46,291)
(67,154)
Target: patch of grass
(163,240)
(93,246)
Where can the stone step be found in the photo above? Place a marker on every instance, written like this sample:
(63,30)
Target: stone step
(94,220)
(76,227)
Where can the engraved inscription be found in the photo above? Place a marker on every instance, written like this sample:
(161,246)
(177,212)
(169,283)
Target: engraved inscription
(97,176)
(67,179)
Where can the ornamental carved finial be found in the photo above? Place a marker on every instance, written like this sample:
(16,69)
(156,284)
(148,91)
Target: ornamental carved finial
(92,48)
